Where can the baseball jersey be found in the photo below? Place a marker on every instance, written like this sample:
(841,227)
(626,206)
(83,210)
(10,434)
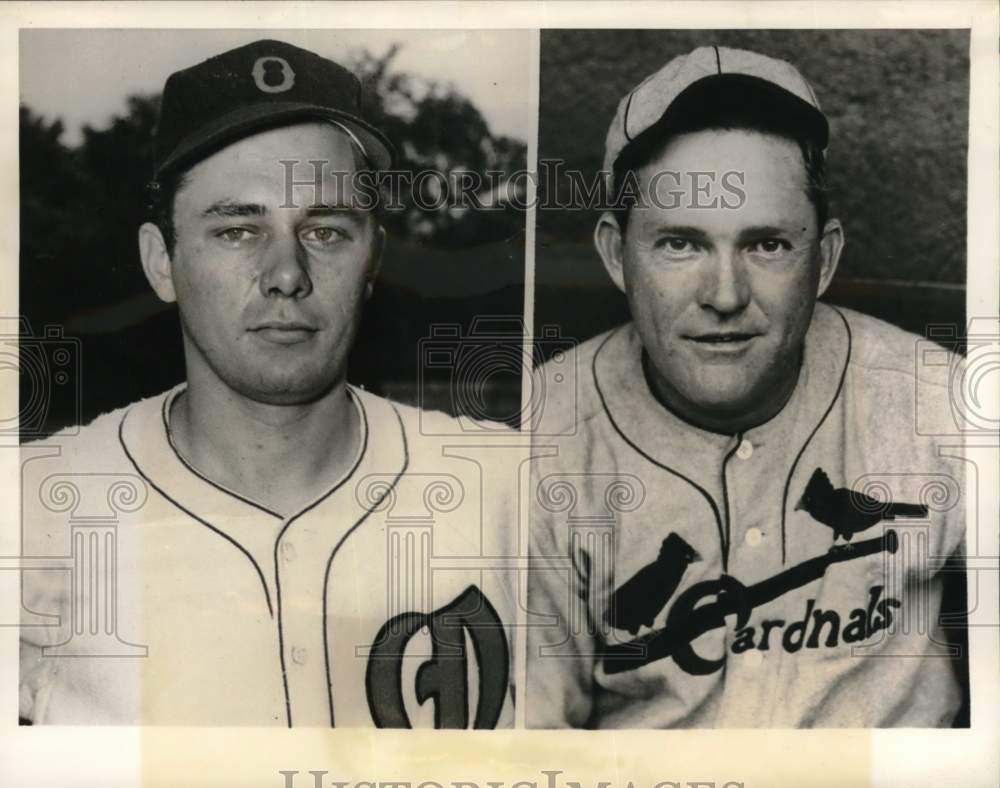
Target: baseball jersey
(787,576)
(168,599)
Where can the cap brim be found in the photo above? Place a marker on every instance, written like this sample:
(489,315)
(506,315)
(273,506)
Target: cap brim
(728,100)
(259,117)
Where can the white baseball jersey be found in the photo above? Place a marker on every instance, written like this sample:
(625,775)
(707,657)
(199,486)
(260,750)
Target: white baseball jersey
(169,600)
(682,578)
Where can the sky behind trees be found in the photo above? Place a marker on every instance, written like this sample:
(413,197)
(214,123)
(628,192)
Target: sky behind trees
(83,200)
(85,76)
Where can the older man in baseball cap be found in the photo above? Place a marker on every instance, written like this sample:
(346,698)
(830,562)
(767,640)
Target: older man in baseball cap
(268,529)
(724,536)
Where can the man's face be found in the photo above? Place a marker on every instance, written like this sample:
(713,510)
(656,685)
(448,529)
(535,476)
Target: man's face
(270,289)
(722,286)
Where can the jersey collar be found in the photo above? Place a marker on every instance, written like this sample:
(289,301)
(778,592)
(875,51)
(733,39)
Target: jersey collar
(665,439)
(145,433)
(144,436)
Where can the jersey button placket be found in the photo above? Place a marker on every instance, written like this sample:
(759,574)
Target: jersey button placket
(300,569)
(753,536)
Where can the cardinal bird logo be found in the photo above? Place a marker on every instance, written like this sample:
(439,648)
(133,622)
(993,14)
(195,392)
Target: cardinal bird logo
(642,597)
(848,512)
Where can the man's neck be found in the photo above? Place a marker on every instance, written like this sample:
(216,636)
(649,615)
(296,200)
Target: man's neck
(280,456)
(713,421)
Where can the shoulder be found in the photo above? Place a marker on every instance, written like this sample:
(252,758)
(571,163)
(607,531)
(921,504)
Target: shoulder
(73,467)
(907,378)
(881,349)
(419,423)
(96,430)
(565,396)
(94,444)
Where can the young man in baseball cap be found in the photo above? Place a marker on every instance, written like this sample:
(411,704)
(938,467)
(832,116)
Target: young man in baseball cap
(727,533)
(278,547)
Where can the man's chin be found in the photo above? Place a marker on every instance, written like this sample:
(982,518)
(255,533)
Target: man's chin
(726,407)
(733,404)
(286,398)
(723,398)
(288,390)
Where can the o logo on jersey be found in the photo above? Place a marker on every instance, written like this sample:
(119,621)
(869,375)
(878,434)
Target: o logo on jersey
(272,74)
(443,677)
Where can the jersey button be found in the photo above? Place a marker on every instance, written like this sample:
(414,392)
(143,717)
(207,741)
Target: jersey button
(754,537)
(288,552)
(299,655)
(745,450)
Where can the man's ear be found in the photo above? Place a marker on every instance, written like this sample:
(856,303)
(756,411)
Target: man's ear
(610,246)
(378,247)
(156,262)
(830,247)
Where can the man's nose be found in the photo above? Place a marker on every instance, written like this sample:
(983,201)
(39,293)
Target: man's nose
(285,269)
(725,285)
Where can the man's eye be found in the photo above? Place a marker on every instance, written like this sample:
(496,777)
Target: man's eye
(234,235)
(324,235)
(771,246)
(677,244)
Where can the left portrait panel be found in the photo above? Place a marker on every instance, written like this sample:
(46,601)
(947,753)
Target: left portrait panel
(271,331)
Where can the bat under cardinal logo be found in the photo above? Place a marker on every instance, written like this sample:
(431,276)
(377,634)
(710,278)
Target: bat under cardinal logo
(641,598)
(848,512)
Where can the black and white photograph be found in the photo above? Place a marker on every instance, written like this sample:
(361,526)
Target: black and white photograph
(500,394)
(749,510)
(252,489)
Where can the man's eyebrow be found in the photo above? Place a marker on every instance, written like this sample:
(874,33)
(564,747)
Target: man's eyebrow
(764,231)
(683,231)
(230,209)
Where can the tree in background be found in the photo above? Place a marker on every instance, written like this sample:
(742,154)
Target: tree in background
(436,128)
(81,206)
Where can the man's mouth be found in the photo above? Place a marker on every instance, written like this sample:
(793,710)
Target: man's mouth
(284,332)
(717,345)
(727,337)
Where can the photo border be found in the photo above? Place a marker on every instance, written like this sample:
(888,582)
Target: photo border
(176,756)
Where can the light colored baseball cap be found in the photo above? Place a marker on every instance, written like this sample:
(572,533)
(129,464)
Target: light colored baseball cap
(709,86)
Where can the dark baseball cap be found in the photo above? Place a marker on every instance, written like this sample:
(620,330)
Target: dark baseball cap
(255,87)
(709,86)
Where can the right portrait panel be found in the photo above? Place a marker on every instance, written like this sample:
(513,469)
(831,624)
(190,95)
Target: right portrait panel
(746,507)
